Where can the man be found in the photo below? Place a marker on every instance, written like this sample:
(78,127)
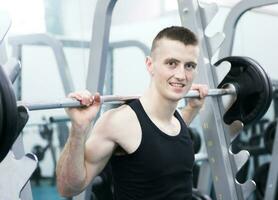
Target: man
(147,140)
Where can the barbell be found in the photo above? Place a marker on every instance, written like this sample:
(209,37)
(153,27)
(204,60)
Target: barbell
(111,99)
(247,81)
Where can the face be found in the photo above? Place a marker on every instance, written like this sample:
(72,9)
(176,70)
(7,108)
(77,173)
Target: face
(172,67)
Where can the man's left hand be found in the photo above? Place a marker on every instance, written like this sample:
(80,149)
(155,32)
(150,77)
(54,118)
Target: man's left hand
(197,103)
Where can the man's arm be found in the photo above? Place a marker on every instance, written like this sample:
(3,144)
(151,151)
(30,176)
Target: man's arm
(188,114)
(81,160)
(194,105)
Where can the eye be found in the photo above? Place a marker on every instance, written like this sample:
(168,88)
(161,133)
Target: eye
(172,63)
(190,66)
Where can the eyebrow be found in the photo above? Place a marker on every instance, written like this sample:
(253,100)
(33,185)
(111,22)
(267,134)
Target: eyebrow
(172,60)
(178,61)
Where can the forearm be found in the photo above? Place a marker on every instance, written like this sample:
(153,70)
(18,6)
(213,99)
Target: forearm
(71,170)
(189,113)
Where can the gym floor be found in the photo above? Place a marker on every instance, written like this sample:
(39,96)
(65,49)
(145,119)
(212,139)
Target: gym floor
(45,191)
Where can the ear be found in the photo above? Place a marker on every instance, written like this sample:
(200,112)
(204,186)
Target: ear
(149,65)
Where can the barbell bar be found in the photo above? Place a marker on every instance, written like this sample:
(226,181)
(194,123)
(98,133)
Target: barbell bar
(246,79)
(112,99)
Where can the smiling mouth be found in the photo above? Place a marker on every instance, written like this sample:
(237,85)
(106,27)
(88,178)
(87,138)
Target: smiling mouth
(177,85)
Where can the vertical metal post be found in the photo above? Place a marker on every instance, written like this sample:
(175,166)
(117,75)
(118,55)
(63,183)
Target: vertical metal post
(99,45)
(98,55)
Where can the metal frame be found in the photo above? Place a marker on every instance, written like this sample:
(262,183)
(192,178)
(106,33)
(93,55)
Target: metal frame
(44,39)
(226,50)
(15,173)
(232,19)
(56,46)
(112,45)
(218,136)
(99,45)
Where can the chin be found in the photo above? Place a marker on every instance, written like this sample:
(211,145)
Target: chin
(176,97)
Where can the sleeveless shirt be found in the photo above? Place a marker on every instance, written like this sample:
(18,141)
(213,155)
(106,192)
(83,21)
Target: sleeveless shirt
(160,168)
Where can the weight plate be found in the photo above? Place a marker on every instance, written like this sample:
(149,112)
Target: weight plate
(254,90)
(9,115)
(1,117)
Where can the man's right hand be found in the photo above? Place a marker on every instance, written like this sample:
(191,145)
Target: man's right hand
(82,117)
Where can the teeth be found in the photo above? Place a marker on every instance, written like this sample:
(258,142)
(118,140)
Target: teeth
(177,84)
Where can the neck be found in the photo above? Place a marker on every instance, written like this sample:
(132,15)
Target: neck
(157,106)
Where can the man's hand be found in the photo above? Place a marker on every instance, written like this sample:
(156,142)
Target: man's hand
(194,104)
(82,117)
(197,103)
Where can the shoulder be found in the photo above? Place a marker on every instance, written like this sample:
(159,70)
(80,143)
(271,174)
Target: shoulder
(116,115)
(114,121)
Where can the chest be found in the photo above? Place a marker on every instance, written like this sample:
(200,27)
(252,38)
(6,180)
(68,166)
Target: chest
(165,153)
(154,154)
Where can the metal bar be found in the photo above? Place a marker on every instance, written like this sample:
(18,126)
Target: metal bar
(57,48)
(5,22)
(204,179)
(73,43)
(12,68)
(232,19)
(112,99)
(99,45)
(113,45)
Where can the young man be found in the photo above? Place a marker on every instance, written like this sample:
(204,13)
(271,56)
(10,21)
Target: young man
(147,140)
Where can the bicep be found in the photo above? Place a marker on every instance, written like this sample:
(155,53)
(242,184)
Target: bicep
(98,150)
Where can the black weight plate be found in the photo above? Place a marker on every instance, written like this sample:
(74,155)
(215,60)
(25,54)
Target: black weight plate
(254,93)
(270,88)
(1,117)
(22,118)
(9,118)
(254,90)
(270,97)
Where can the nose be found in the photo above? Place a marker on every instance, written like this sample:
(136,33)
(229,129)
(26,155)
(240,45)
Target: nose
(180,73)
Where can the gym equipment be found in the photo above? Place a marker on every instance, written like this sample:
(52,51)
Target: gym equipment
(269,136)
(260,177)
(197,195)
(242,69)
(237,88)
(224,163)
(39,151)
(5,22)
(102,185)
(12,68)
(196,139)
(272,176)
(254,90)
(15,174)
(8,116)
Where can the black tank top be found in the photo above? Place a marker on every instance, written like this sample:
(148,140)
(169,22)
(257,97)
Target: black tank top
(160,168)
